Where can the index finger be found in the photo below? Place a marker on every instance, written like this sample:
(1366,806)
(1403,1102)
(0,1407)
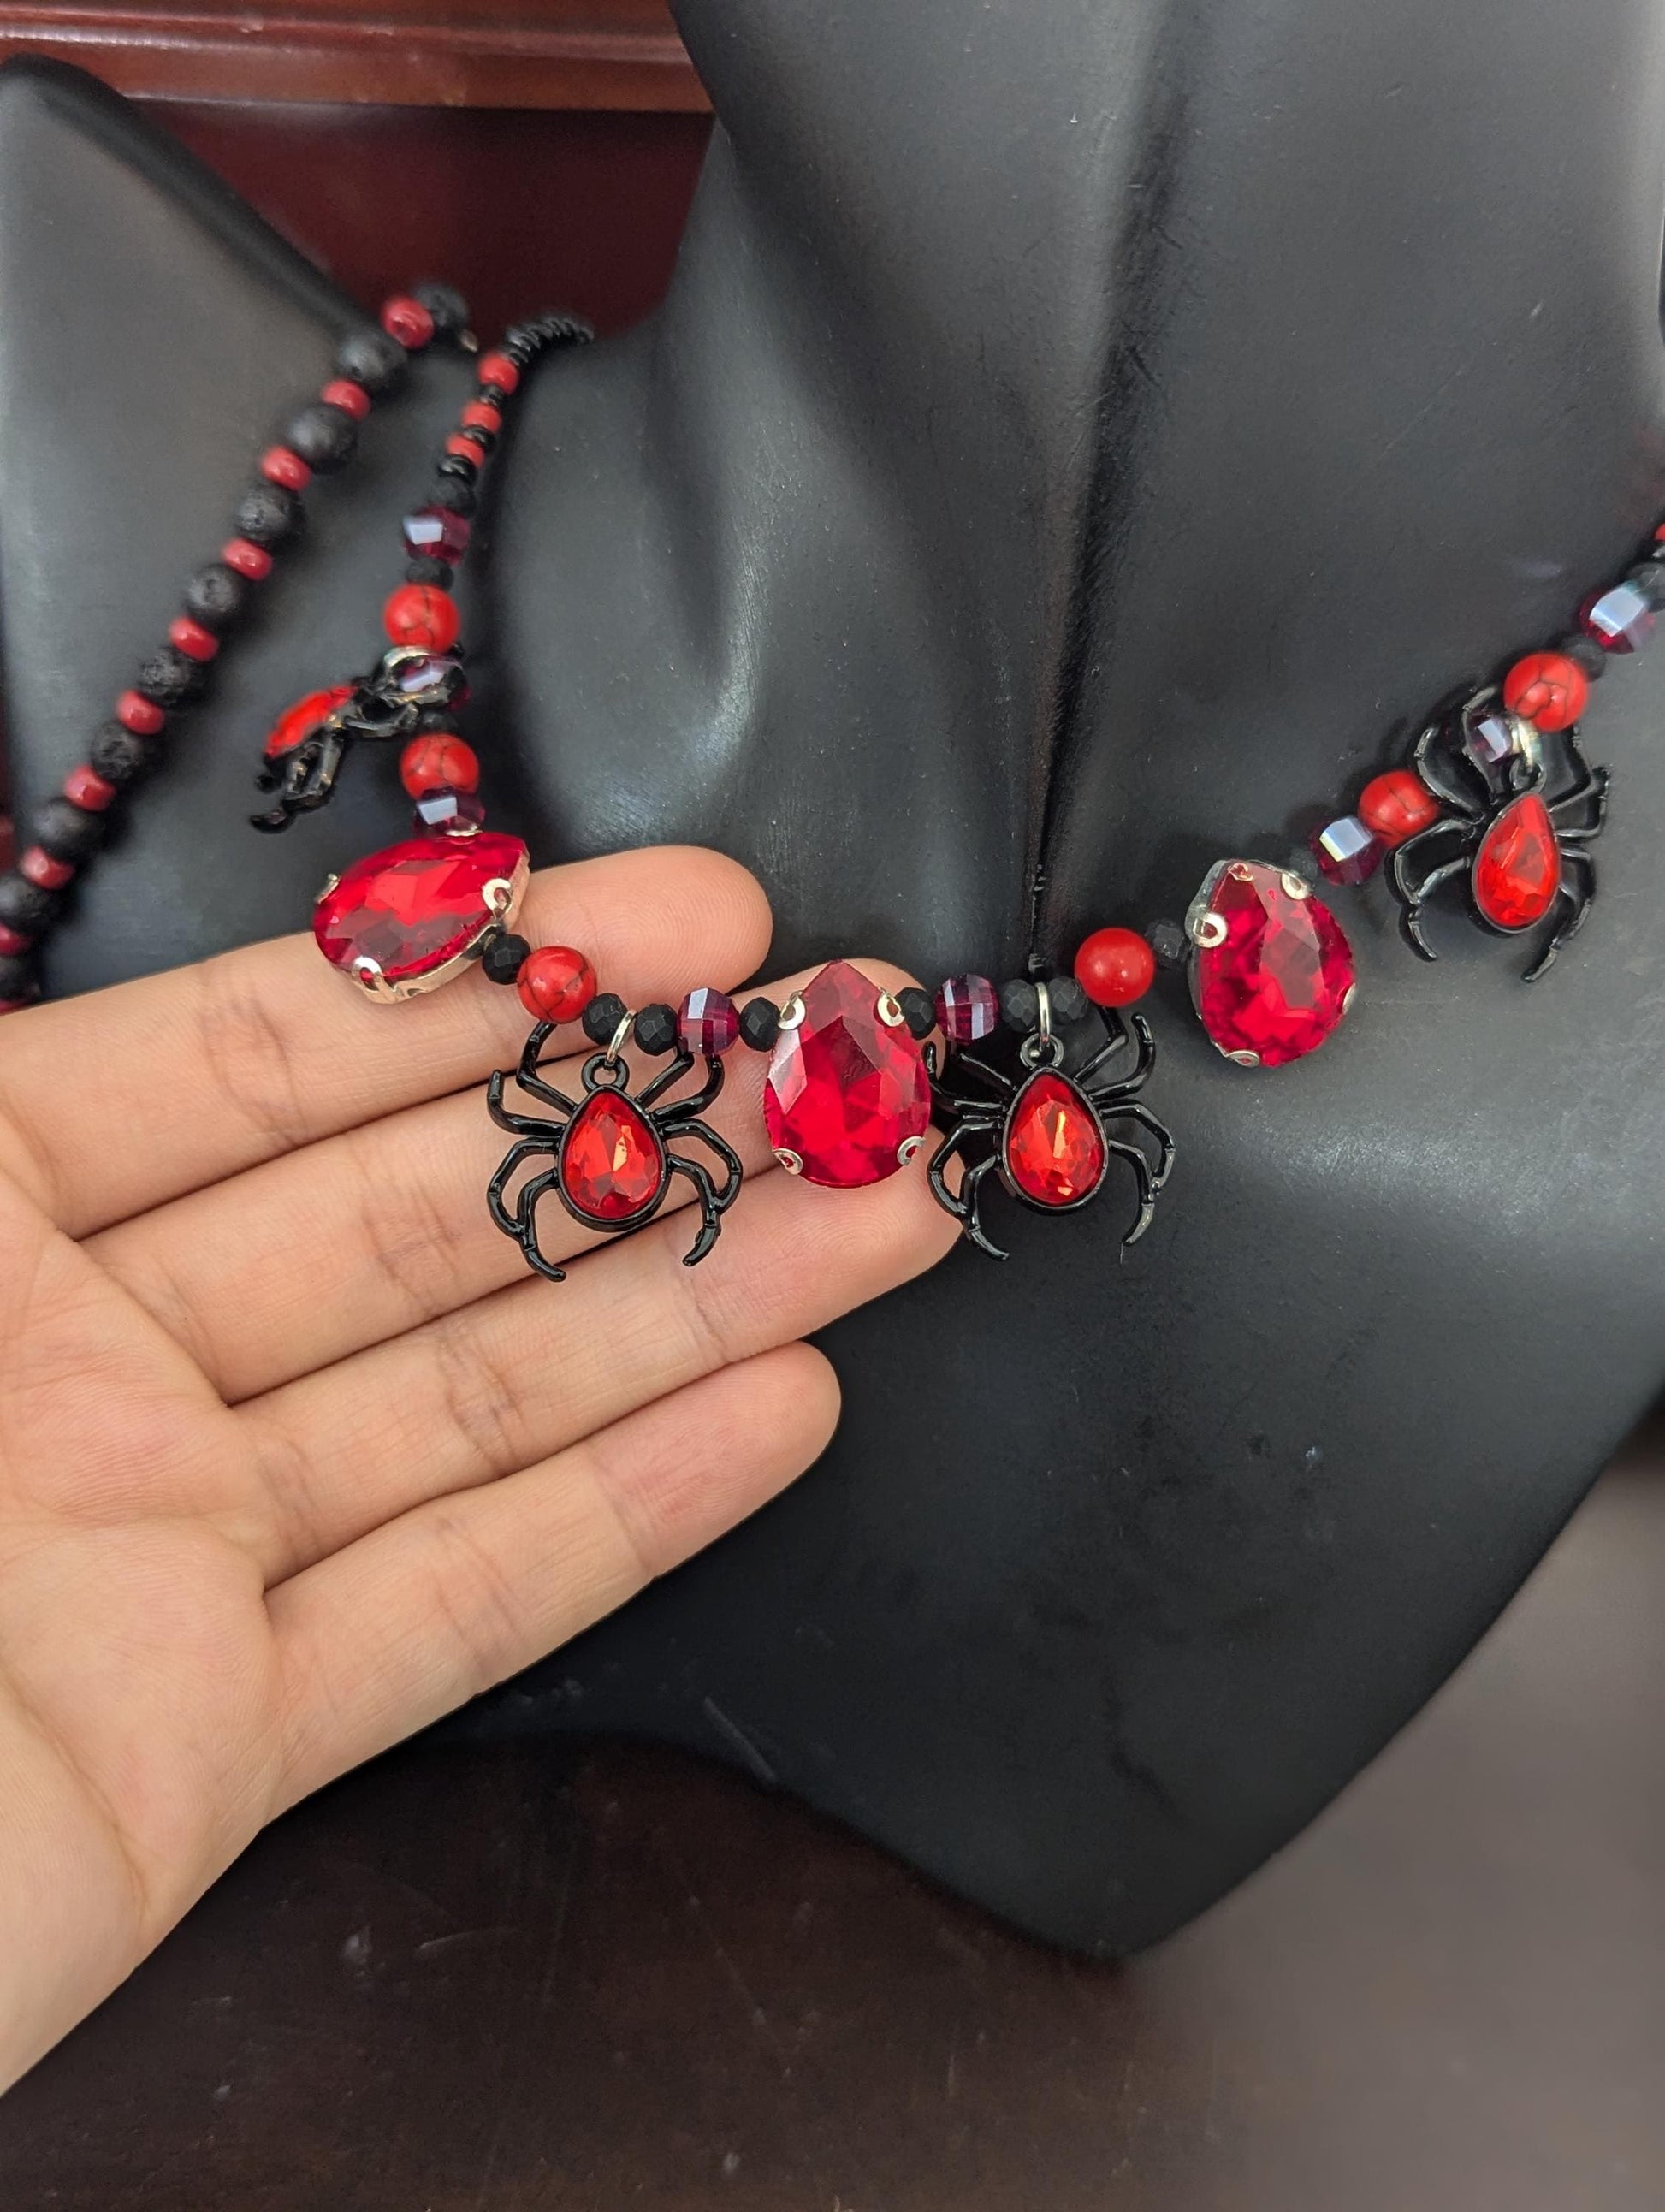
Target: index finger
(119,1101)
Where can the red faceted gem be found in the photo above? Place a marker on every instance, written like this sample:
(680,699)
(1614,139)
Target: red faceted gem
(612,1164)
(1517,869)
(1273,971)
(435,533)
(707,1021)
(1055,1150)
(847,1099)
(298,723)
(412,908)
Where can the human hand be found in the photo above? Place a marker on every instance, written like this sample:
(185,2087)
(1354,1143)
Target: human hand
(295,1456)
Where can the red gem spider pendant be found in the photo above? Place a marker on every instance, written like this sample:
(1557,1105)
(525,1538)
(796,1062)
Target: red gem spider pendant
(609,1155)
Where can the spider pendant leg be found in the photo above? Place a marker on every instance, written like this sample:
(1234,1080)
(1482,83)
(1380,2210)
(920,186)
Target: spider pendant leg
(733,1166)
(1120,1109)
(1137,1075)
(1412,896)
(963,1204)
(711,1211)
(1145,1179)
(671,1073)
(1429,765)
(1591,790)
(526,1073)
(516,1156)
(1571,908)
(518,1125)
(523,1229)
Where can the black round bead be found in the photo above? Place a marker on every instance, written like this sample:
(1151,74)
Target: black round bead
(493,394)
(17,979)
(119,755)
(919,1010)
(760,1023)
(369,357)
(424,571)
(1169,942)
(25,906)
(1020,1009)
(455,497)
(437,721)
(504,957)
(460,466)
(656,1028)
(1070,1003)
(602,1018)
(168,676)
(485,440)
(1581,648)
(267,514)
(68,832)
(446,306)
(322,435)
(214,597)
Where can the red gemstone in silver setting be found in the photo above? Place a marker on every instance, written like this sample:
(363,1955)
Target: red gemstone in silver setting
(407,919)
(847,1100)
(1272,972)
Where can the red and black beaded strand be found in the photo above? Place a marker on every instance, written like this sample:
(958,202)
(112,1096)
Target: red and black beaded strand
(68,831)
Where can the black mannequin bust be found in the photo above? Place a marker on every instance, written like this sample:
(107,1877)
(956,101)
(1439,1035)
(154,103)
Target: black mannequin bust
(1081,441)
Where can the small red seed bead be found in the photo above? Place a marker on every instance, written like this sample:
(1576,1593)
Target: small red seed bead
(408,321)
(421,614)
(247,558)
(40,868)
(280,466)
(438,762)
(556,983)
(1550,689)
(480,415)
(352,399)
(1115,967)
(86,788)
(14,940)
(463,447)
(192,640)
(497,368)
(1397,806)
(141,715)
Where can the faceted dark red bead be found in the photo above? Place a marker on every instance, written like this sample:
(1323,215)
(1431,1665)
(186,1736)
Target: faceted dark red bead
(968,1009)
(707,1021)
(1054,1149)
(414,908)
(847,1098)
(612,1164)
(1273,972)
(1517,869)
(435,533)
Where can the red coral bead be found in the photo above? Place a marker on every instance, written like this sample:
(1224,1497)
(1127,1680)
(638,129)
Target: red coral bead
(247,558)
(422,615)
(141,715)
(408,321)
(467,449)
(1549,688)
(556,983)
(352,399)
(192,640)
(39,867)
(1115,967)
(496,368)
(86,788)
(280,466)
(1397,806)
(481,415)
(438,762)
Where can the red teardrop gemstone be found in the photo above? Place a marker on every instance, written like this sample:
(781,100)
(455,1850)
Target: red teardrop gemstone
(1276,981)
(296,724)
(1517,869)
(846,1091)
(1053,1149)
(612,1165)
(414,907)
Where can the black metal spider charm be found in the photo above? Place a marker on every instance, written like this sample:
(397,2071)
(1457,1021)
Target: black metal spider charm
(1524,852)
(1050,1143)
(610,1161)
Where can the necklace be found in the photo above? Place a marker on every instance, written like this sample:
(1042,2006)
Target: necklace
(1496,793)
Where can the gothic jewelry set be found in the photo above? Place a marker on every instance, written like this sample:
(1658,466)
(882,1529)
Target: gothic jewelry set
(1496,793)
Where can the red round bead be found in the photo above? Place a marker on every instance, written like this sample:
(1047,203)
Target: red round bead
(498,369)
(479,415)
(141,715)
(247,558)
(421,614)
(192,640)
(1550,689)
(438,762)
(408,321)
(464,448)
(86,788)
(1115,967)
(280,466)
(352,399)
(39,867)
(556,983)
(1397,806)
(14,940)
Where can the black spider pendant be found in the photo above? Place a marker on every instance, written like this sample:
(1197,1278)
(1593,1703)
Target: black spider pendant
(1523,847)
(609,1159)
(1046,1131)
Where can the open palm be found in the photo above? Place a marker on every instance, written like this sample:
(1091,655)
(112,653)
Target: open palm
(293,1457)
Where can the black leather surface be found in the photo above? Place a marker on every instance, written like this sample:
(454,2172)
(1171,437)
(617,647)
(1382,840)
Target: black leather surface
(1082,439)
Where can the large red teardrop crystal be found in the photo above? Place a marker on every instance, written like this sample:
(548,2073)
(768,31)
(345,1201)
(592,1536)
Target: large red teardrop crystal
(1273,971)
(612,1165)
(1054,1152)
(413,908)
(1517,869)
(845,1090)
